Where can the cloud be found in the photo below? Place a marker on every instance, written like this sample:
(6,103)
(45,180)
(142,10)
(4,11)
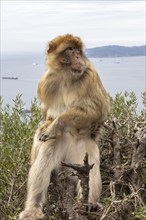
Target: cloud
(29,25)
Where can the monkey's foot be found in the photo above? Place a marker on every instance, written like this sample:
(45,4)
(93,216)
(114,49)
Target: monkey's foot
(88,208)
(31,214)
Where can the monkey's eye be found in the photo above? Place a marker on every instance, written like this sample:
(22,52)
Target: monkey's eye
(70,48)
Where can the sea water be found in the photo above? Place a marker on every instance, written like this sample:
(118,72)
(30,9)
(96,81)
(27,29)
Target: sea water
(118,74)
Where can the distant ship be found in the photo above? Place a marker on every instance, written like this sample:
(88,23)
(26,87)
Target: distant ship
(35,64)
(10,77)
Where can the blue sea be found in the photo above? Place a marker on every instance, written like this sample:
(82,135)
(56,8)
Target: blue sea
(118,74)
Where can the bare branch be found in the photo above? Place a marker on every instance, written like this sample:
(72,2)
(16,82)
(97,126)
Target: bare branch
(83,175)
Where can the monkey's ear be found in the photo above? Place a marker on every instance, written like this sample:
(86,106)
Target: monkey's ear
(50,47)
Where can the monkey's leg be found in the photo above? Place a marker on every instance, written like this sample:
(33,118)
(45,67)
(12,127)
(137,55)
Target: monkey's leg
(95,183)
(35,147)
(75,154)
(49,158)
(36,143)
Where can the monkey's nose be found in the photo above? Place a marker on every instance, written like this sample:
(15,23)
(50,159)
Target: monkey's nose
(77,54)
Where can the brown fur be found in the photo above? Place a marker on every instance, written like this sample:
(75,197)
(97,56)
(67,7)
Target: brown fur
(59,86)
(74,104)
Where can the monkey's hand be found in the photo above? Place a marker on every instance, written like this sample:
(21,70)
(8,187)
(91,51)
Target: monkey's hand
(52,131)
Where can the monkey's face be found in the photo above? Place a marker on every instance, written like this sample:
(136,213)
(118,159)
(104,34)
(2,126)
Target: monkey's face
(66,54)
(72,59)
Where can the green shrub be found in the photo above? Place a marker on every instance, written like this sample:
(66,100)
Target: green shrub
(17,131)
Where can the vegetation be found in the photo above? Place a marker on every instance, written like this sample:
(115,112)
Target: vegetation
(17,130)
(123,161)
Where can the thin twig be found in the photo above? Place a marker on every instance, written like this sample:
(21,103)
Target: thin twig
(11,191)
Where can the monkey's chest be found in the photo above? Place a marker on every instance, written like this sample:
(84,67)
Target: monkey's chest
(56,107)
(60,103)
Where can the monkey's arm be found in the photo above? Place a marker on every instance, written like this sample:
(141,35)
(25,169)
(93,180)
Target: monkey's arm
(79,118)
(76,121)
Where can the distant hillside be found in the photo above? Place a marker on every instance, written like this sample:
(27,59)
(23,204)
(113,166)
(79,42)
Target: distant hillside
(116,51)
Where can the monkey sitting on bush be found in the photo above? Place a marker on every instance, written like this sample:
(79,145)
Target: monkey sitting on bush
(74,105)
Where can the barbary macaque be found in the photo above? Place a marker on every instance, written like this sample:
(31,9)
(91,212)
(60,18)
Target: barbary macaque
(74,105)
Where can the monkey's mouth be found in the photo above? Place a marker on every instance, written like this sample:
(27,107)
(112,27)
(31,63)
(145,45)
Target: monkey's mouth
(77,71)
(77,68)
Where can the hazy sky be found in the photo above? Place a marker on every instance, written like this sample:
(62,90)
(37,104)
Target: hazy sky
(29,25)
